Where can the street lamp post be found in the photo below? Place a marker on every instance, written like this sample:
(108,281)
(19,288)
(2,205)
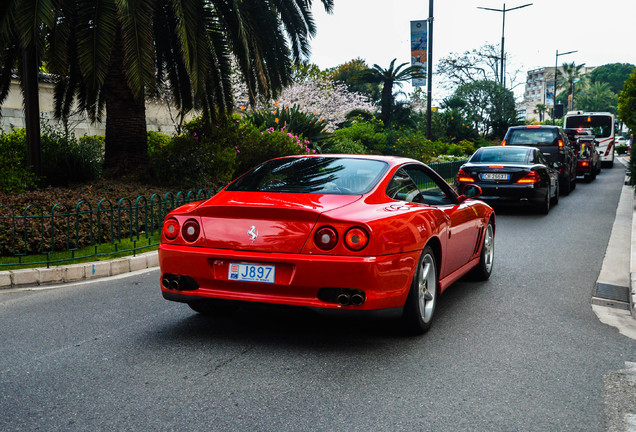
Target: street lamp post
(503,27)
(556,74)
(429,80)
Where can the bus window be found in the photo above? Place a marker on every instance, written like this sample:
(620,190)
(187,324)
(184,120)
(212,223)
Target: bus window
(601,125)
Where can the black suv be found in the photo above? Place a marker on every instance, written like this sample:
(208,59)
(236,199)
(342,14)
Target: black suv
(554,145)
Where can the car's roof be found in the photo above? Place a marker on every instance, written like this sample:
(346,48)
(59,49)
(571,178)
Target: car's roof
(534,127)
(516,147)
(391,160)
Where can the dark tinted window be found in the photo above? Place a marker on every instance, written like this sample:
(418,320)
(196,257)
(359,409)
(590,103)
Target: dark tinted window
(501,154)
(403,188)
(601,125)
(539,158)
(532,137)
(414,184)
(317,175)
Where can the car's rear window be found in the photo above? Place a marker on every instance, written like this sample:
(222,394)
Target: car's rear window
(501,155)
(532,137)
(316,175)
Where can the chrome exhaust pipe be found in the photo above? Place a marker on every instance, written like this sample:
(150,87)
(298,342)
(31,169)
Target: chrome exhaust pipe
(343,299)
(357,299)
(174,284)
(165,282)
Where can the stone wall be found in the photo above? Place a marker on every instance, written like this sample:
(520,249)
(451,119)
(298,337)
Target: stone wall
(157,113)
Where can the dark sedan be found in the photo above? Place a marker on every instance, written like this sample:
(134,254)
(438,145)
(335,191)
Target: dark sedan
(512,175)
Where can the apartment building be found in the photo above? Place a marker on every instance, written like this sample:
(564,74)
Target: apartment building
(539,89)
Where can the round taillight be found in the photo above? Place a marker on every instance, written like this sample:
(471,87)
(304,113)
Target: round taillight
(171,229)
(191,230)
(356,239)
(326,238)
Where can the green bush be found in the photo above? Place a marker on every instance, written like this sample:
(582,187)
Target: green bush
(621,149)
(66,160)
(188,160)
(344,145)
(310,126)
(372,137)
(14,173)
(369,134)
(214,154)
(157,141)
(257,146)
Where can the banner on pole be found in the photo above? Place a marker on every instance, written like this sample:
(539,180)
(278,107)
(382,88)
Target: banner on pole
(419,49)
(549,95)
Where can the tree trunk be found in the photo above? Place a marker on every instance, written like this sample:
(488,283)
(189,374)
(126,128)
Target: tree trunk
(32,108)
(386,102)
(126,138)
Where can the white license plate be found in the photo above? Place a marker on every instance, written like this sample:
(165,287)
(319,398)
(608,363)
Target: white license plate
(495,176)
(252,273)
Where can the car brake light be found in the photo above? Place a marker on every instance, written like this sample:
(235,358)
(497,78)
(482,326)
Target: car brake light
(560,143)
(356,239)
(326,238)
(533,127)
(171,229)
(503,143)
(463,177)
(585,163)
(531,177)
(495,166)
(191,230)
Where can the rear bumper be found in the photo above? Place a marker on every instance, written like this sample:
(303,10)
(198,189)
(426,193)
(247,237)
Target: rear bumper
(511,193)
(385,280)
(582,169)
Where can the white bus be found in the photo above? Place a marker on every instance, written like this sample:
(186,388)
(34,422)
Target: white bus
(603,126)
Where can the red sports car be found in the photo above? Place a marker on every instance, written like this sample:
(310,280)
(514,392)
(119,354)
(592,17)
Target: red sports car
(329,231)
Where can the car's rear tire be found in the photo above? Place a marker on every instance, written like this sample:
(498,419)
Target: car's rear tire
(422,298)
(555,200)
(565,186)
(484,267)
(544,206)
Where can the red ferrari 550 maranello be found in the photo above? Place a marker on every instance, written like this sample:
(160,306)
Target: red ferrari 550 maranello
(329,231)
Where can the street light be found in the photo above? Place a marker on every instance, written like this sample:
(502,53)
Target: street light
(556,74)
(429,83)
(503,27)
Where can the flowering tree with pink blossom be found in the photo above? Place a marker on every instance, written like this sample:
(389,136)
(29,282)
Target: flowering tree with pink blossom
(313,93)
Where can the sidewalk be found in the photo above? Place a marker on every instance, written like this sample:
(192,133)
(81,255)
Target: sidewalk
(76,272)
(614,298)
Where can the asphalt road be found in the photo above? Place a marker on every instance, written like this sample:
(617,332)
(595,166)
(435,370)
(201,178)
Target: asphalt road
(521,352)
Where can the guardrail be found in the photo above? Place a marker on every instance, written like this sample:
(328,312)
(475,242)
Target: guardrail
(35,238)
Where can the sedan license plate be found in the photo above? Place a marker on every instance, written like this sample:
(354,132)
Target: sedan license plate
(495,176)
(251,273)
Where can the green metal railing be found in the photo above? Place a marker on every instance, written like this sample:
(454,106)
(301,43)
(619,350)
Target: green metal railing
(35,238)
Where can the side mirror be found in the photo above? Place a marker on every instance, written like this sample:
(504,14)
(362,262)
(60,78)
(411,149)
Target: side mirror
(469,191)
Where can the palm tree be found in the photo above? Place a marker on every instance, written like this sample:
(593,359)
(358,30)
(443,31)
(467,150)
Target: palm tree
(570,73)
(597,97)
(541,110)
(21,40)
(111,54)
(388,78)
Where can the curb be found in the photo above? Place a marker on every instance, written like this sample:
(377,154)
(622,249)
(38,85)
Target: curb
(76,272)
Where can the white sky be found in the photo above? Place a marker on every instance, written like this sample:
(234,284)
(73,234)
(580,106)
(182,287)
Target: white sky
(602,31)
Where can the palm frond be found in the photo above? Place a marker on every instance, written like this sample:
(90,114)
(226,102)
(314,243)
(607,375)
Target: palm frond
(136,32)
